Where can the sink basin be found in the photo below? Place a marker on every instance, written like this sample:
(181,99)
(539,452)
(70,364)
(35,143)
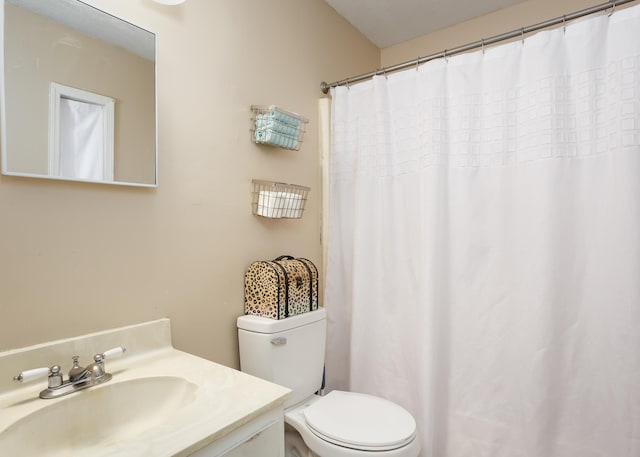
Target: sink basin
(161,402)
(99,420)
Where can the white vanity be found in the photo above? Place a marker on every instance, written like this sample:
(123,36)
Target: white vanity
(159,402)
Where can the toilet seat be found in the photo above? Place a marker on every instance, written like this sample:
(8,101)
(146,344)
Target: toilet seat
(361,422)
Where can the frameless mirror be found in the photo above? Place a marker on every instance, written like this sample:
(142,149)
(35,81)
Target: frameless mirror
(78,94)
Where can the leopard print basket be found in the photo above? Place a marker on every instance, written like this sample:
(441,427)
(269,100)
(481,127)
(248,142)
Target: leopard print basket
(280,288)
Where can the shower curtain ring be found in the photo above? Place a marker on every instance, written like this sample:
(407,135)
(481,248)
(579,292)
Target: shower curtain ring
(564,24)
(483,46)
(444,54)
(347,83)
(613,8)
(417,62)
(522,34)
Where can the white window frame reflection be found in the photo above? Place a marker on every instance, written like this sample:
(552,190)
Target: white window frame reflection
(106,105)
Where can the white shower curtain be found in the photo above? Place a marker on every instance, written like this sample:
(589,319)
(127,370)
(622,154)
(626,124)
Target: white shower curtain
(484,244)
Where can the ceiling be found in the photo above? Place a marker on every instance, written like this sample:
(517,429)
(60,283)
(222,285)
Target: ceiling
(389,22)
(91,21)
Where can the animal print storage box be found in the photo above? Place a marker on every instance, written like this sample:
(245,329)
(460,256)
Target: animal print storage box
(280,288)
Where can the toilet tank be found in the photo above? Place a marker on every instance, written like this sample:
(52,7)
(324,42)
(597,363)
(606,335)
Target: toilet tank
(289,352)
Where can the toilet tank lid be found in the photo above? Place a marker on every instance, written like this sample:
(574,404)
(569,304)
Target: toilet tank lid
(261,324)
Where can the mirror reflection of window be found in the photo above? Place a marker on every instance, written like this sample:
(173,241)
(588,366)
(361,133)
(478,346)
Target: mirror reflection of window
(81,136)
(81,140)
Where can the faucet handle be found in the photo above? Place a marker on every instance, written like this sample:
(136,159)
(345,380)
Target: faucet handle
(55,377)
(113,352)
(97,369)
(99,358)
(29,375)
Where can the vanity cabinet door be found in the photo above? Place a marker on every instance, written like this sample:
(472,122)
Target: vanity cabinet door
(265,443)
(260,437)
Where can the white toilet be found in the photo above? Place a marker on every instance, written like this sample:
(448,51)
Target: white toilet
(290,352)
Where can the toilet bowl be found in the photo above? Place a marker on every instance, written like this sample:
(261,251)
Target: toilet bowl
(290,352)
(346,424)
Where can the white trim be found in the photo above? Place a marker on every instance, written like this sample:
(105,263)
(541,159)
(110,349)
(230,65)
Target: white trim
(58,91)
(3,118)
(64,178)
(324,109)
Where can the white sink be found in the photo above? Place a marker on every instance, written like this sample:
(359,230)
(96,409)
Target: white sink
(99,419)
(160,402)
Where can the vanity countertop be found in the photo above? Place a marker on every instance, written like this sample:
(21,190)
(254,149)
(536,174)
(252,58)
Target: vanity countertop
(220,399)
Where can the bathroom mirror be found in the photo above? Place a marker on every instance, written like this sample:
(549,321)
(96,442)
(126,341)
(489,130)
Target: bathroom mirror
(78,94)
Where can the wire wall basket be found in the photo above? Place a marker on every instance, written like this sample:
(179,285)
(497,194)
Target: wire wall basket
(275,126)
(278,200)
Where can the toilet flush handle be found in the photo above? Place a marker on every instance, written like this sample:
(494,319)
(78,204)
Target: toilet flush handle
(280,341)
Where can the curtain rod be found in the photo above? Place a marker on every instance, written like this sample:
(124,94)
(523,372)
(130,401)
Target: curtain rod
(324,87)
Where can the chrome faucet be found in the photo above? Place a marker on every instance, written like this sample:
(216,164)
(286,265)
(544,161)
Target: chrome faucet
(77,373)
(79,378)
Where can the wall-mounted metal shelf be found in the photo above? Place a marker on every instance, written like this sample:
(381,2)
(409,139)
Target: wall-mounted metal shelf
(278,200)
(275,126)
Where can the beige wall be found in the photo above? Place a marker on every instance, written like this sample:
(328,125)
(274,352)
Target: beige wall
(76,258)
(40,51)
(505,20)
